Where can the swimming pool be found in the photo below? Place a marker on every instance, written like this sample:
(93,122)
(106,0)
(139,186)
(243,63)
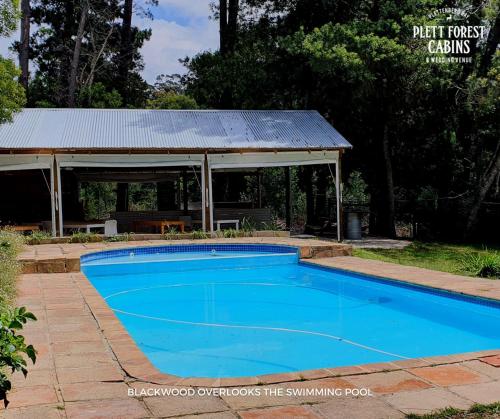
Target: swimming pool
(245,310)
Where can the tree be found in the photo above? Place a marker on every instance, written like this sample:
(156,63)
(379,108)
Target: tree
(24,44)
(78,44)
(12,96)
(171,100)
(8,16)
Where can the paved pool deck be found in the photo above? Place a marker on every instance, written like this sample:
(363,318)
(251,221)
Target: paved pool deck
(88,364)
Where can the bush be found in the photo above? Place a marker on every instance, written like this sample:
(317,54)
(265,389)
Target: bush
(484,265)
(84,238)
(11,244)
(37,237)
(124,237)
(12,345)
(199,235)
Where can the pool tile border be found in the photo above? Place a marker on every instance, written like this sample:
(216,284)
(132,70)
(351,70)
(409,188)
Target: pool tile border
(137,366)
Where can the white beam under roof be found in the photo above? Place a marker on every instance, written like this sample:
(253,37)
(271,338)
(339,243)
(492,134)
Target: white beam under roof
(129,160)
(271,159)
(25,161)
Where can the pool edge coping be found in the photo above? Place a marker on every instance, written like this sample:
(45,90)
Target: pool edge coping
(137,366)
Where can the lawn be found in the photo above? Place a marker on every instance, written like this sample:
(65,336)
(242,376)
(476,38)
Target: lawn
(459,259)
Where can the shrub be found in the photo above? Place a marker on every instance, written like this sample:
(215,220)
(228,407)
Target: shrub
(199,235)
(37,237)
(11,244)
(484,265)
(84,238)
(13,347)
(124,237)
(274,225)
(171,234)
(248,225)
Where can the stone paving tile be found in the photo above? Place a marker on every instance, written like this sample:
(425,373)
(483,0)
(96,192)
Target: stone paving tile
(34,378)
(218,415)
(483,368)
(261,399)
(390,382)
(311,391)
(492,360)
(484,393)
(106,409)
(89,360)
(74,348)
(34,412)
(357,408)
(425,401)
(32,396)
(93,390)
(179,406)
(448,375)
(285,412)
(80,375)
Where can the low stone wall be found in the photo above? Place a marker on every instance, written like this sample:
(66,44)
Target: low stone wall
(65,258)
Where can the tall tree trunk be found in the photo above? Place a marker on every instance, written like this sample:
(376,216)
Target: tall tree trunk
(76,55)
(25,43)
(126,49)
(389,227)
(223,26)
(490,47)
(232,24)
(485,184)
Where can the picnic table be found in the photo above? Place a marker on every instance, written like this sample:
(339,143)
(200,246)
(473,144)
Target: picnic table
(82,225)
(33,227)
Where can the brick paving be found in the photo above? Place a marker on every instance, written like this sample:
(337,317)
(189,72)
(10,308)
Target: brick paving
(88,364)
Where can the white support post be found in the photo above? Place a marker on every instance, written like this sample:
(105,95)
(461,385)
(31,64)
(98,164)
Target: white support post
(338,193)
(59,199)
(203,197)
(53,203)
(210,198)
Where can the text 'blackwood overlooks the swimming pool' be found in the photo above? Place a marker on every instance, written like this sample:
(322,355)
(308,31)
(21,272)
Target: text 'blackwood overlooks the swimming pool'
(248,392)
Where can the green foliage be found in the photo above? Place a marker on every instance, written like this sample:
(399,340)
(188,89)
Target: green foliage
(485,264)
(122,237)
(11,244)
(13,347)
(355,190)
(435,256)
(99,199)
(231,233)
(98,96)
(171,100)
(275,224)
(37,237)
(12,97)
(199,235)
(172,233)
(9,14)
(80,237)
(477,411)
(248,225)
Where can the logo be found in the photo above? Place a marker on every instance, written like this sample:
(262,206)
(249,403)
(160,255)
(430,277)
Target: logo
(450,40)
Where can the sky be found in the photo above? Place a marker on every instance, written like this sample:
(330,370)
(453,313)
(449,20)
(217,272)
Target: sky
(180,28)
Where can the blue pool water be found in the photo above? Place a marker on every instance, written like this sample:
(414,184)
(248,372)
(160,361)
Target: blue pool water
(227,311)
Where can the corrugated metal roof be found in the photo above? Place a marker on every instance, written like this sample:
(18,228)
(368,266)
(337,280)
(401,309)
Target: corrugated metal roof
(115,129)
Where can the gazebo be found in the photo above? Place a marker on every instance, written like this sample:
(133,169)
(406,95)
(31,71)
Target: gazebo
(206,141)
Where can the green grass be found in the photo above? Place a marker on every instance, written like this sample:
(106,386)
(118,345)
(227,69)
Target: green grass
(477,411)
(444,257)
